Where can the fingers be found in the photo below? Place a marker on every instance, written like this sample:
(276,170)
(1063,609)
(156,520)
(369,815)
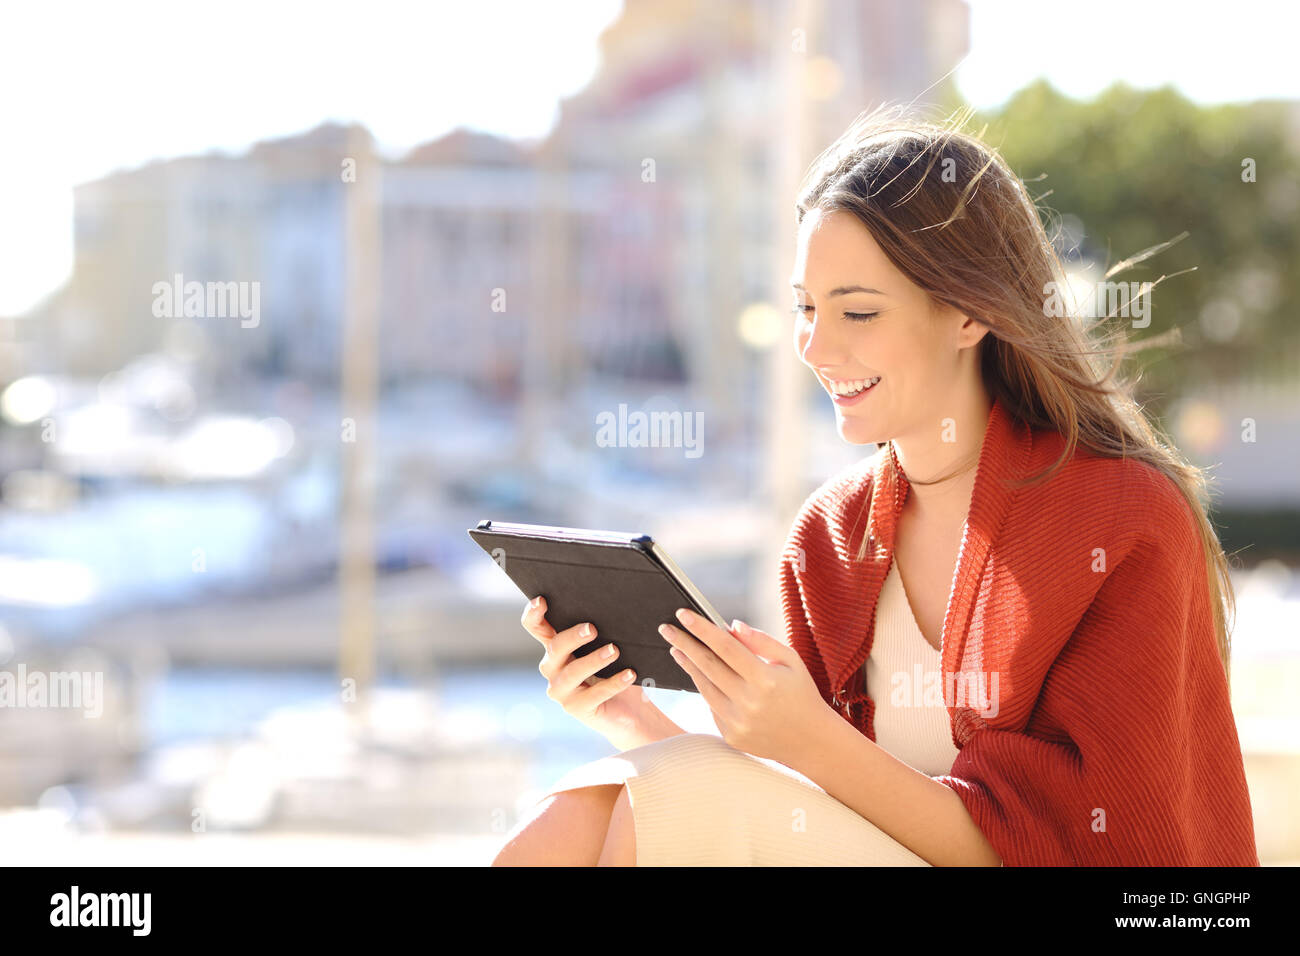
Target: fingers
(589,698)
(706,662)
(713,696)
(563,643)
(559,644)
(573,672)
(572,681)
(727,651)
(534,620)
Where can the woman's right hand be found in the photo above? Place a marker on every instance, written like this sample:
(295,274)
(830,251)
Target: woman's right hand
(614,707)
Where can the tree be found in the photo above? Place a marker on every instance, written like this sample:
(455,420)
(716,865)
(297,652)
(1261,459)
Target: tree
(1139,168)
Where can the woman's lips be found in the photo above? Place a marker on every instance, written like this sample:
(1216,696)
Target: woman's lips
(844,401)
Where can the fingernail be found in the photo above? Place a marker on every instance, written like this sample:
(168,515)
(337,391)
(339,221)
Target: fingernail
(586,630)
(684,615)
(536,602)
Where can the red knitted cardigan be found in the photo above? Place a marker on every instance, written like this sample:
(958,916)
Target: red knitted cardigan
(1083,683)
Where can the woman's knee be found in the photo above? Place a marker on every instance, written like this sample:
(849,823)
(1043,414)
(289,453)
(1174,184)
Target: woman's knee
(564,828)
(715,748)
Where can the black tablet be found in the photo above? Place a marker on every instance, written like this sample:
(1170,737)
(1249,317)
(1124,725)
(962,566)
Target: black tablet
(624,584)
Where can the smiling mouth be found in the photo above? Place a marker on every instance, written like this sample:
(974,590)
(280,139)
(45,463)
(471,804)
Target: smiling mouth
(851,387)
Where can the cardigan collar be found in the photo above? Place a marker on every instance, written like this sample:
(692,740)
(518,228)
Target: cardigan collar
(1004,454)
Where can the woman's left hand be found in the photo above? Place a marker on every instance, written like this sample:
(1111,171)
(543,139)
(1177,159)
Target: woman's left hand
(763,699)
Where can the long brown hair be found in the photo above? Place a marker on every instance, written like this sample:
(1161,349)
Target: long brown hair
(949,212)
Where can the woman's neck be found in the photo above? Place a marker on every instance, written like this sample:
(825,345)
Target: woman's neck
(927,456)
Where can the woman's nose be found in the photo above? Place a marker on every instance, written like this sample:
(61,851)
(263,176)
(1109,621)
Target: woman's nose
(815,345)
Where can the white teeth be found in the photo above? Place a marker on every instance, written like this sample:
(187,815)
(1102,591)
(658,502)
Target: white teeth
(853,386)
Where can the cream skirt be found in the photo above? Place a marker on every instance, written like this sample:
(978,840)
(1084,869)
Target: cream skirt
(698,801)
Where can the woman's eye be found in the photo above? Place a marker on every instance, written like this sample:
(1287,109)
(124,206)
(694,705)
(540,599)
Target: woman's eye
(798,308)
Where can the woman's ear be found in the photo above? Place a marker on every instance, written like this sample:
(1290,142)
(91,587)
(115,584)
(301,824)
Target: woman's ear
(971,331)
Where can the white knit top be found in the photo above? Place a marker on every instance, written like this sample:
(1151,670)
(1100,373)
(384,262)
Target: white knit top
(904,679)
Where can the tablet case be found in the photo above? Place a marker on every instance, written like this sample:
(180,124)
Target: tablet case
(619,586)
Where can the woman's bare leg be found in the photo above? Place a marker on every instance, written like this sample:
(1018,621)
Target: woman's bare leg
(620,842)
(568,828)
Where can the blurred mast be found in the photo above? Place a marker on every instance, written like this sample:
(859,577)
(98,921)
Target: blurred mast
(359,375)
(786,445)
(549,304)
(714,355)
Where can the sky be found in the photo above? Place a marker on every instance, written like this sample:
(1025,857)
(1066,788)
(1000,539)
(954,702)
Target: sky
(87,88)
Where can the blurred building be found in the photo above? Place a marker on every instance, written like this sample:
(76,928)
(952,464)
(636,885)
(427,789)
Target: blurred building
(638,254)
(690,120)
(657,251)
(273,216)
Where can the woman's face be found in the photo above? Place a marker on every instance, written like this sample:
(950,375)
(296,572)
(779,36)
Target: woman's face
(859,319)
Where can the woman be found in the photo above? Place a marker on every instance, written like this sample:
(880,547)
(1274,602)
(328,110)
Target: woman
(1006,639)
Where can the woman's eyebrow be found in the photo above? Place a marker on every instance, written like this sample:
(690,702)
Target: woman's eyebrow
(842,290)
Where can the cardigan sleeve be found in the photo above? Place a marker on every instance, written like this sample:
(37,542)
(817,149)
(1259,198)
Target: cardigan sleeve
(794,614)
(1140,763)
(808,545)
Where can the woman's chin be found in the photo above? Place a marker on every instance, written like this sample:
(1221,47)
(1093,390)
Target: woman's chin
(858,433)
